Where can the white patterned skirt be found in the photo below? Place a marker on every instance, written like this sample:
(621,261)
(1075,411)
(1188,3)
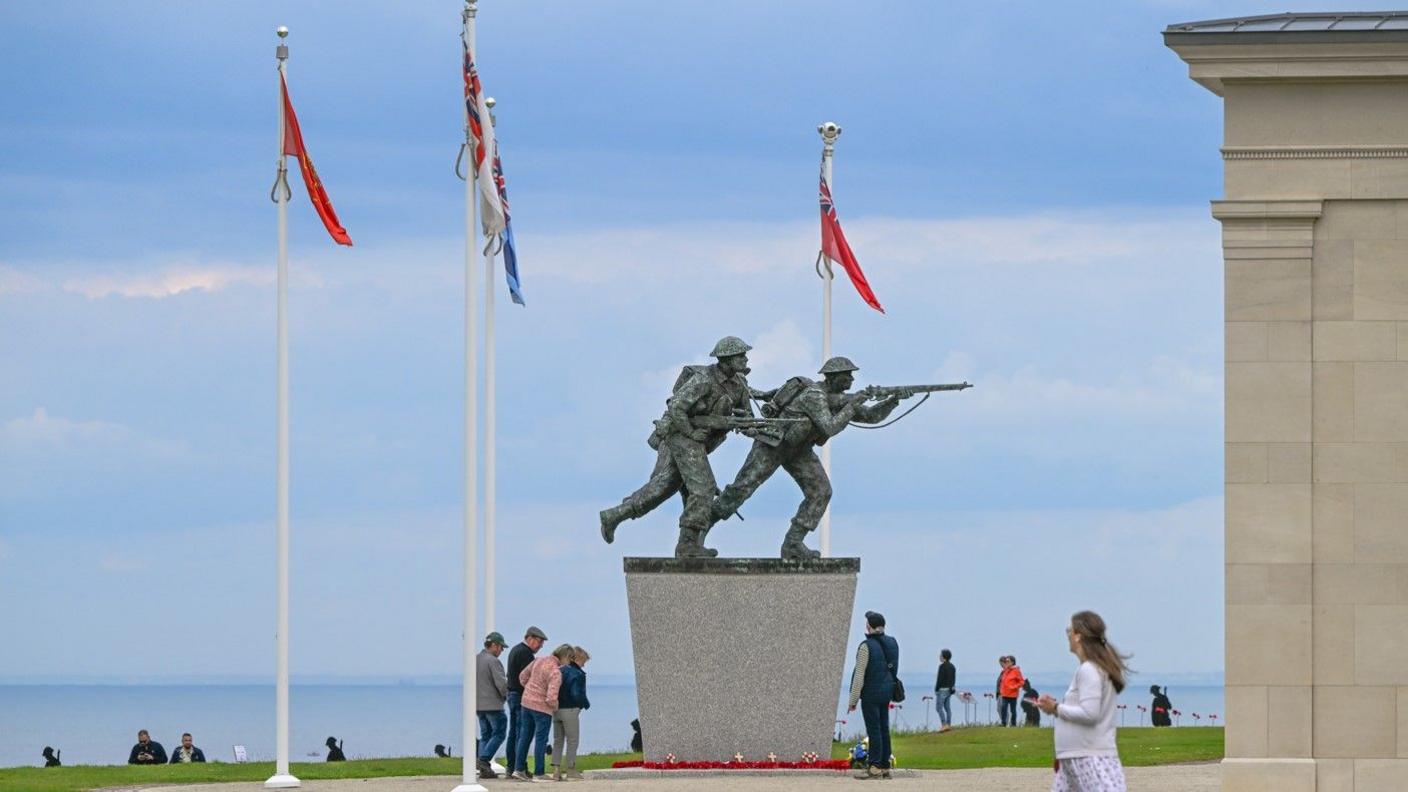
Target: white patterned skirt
(1089,774)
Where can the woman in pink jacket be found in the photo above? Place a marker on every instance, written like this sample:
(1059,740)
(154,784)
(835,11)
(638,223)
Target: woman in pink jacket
(541,680)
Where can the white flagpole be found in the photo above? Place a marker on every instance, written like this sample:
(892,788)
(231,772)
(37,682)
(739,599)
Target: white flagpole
(829,133)
(282,779)
(468,755)
(491,468)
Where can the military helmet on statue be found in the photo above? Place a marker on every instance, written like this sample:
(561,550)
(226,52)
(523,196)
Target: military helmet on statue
(838,365)
(729,346)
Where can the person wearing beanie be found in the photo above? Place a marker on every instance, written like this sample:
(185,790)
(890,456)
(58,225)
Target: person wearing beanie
(873,688)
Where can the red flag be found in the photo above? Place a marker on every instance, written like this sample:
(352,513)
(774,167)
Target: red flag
(293,144)
(835,247)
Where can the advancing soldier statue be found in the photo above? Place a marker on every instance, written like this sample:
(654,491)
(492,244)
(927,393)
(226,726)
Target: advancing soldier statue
(824,409)
(707,402)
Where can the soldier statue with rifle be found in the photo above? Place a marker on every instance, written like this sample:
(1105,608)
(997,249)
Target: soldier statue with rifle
(810,413)
(707,402)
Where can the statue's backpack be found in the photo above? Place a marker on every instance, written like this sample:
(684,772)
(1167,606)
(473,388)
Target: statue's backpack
(657,435)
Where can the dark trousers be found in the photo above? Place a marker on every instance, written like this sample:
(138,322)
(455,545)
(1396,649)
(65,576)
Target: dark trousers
(533,730)
(515,714)
(1007,710)
(877,728)
(493,728)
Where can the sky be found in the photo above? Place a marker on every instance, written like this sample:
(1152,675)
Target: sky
(1025,184)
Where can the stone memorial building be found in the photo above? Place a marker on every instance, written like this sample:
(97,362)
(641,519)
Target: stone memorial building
(1315,244)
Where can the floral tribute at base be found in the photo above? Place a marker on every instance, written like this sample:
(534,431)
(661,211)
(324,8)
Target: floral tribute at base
(821,764)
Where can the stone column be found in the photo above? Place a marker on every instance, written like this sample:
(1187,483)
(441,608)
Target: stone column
(1315,244)
(1267,247)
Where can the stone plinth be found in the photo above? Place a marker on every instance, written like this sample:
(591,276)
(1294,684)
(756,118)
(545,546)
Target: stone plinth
(739,654)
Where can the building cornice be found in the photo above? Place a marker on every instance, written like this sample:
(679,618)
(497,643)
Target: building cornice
(1313,152)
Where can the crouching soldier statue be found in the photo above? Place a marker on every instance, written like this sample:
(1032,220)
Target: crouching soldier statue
(707,402)
(825,409)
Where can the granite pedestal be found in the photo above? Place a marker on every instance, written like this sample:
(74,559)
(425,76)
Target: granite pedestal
(739,654)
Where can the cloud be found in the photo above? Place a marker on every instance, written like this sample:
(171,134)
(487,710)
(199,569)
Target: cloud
(168,282)
(1166,386)
(1049,239)
(150,280)
(41,445)
(16,281)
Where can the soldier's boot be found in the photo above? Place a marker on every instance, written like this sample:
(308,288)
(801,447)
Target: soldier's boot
(613,517)
(793,549)
(691,545)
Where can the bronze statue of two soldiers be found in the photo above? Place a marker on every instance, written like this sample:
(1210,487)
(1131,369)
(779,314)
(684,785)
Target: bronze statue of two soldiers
(708,402)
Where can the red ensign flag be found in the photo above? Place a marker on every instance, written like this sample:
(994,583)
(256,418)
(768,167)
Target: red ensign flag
(835,247)
(293,144)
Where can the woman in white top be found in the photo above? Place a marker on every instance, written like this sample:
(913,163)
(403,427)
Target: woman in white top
(1086,757)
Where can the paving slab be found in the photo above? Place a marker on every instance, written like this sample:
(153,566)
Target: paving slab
(1170,778)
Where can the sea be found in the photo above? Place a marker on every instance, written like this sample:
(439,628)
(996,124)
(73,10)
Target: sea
(97,724)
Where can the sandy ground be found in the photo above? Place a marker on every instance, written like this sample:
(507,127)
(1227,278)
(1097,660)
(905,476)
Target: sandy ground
(1173,778)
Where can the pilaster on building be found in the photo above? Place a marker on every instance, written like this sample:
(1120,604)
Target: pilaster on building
(1315,247)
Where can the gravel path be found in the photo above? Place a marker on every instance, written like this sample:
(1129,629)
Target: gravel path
(1172,778)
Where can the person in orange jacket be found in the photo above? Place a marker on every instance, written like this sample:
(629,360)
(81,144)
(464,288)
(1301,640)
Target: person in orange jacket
(1009,687)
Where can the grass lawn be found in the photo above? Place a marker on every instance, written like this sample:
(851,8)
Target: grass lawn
(990,746)
(960,748)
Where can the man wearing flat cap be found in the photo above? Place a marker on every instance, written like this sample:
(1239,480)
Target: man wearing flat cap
(518,659)
(873,687)
(490,696)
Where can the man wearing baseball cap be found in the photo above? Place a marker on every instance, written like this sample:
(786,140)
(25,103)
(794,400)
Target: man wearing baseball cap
(518,659)
(490,694)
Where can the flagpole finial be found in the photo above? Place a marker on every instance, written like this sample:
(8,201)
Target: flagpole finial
(471,8)
(829,131)
(282,51)
(489,102)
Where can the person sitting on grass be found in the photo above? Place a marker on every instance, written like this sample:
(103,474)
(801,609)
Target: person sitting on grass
(188,752)
(335,753)
(147,751)
(51,757)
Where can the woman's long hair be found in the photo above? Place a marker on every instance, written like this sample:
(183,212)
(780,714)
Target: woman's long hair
(1090,629)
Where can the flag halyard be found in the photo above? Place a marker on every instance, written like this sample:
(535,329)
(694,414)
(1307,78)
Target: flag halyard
(293,145)
(835,247)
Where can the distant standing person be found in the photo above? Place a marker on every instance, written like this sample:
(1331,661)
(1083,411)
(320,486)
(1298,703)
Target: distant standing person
(943,690)
(542,682)
(188,752)
(146,751)
(566,721)
(51,757)
(335,753)
(1087,759)
(1161,709)
(519,657)
(490,696)
(1009,687)
(873,687)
